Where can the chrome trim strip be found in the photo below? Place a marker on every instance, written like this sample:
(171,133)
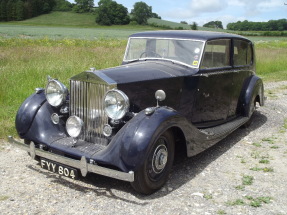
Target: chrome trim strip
(82,165)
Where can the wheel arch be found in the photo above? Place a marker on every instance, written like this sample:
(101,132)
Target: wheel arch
(180,141)
(253,90)
(132,143)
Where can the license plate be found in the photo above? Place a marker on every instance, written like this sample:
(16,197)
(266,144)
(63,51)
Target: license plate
(59,168)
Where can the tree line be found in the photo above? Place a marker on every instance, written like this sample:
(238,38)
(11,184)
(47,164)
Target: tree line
(271,25)
(11,10)
(108,12)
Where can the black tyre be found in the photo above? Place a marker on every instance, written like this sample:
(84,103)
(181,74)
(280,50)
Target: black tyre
(154,172)
(250,114)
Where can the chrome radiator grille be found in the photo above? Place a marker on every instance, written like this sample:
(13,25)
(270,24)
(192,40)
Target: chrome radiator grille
(86,102)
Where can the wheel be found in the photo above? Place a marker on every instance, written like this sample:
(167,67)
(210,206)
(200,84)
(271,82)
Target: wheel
(154,172)
(250,113)
(150,53)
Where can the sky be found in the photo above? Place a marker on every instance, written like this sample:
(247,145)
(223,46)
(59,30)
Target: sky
(203,11)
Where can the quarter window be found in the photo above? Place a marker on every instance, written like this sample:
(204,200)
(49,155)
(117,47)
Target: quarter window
(216,54)
(242,53)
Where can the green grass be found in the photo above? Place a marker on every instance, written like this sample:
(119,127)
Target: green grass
(285,124)
(25,64)
(256,144)
(257,202)
(254,202)
(207,196)
(247,180)
(270,57)
(265,169)
(62,19)
(71,19)
(240,187)
(265,161)
(221,212)
(235,202)
(57,32)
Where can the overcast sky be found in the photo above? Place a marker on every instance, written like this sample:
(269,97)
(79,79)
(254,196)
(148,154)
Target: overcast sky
(203,11)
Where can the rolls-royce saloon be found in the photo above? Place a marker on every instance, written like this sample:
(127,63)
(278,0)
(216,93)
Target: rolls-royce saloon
(174,90)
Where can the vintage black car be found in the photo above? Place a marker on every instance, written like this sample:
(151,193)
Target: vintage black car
(174,89)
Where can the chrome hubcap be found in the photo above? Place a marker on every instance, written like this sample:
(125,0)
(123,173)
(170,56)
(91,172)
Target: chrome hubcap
(159,159)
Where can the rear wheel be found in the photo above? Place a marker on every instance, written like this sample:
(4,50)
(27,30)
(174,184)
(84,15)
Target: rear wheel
(250,114)
(154,172)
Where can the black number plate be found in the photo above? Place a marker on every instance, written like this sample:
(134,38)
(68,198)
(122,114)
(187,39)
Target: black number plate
(59,168)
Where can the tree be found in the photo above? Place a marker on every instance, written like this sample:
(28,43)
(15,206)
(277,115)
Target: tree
(3,12)
(141,13)
(214,24)
(155,15)
(111,13)
(194,26)
(11,10)
(19,10)
(62,5)
(83,6)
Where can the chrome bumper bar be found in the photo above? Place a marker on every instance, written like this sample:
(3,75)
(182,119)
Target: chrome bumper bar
(82,165)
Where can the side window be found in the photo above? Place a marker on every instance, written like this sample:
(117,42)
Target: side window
(216,54)
(242,53)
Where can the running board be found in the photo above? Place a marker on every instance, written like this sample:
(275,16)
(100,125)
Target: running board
(223,130)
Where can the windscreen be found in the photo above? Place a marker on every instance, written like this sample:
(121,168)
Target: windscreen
(183,51)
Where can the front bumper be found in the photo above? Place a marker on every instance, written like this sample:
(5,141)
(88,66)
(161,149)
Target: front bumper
(82,164)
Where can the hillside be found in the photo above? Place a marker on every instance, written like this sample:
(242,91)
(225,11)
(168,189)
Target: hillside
(87,20)
(62,19)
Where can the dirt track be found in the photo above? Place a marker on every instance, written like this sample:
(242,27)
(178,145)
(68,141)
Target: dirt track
(209,183)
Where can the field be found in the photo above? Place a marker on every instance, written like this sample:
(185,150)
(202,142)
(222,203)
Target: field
(36,32)
(60,46)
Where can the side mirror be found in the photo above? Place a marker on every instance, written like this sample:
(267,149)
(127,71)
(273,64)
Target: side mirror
(160,96)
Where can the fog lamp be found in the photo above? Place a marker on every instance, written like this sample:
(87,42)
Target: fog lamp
(74,126)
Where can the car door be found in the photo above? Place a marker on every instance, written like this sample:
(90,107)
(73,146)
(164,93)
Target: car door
(243,68)
(215,84)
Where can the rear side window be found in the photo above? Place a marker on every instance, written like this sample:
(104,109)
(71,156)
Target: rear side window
(216,54)
(242,53)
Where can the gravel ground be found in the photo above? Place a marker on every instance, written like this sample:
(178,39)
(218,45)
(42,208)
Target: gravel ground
(210,183)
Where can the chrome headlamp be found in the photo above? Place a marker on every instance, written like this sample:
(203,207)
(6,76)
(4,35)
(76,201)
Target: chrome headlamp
(74,126)
(116,104)
(56,93)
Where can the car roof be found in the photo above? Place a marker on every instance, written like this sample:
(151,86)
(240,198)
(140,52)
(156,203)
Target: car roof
(187,34)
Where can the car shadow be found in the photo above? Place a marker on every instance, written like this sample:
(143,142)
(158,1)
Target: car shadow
(186,168)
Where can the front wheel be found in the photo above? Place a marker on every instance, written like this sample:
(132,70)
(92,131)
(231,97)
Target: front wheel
(154,172)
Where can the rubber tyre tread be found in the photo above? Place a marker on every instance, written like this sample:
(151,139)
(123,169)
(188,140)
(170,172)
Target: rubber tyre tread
(250,115)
